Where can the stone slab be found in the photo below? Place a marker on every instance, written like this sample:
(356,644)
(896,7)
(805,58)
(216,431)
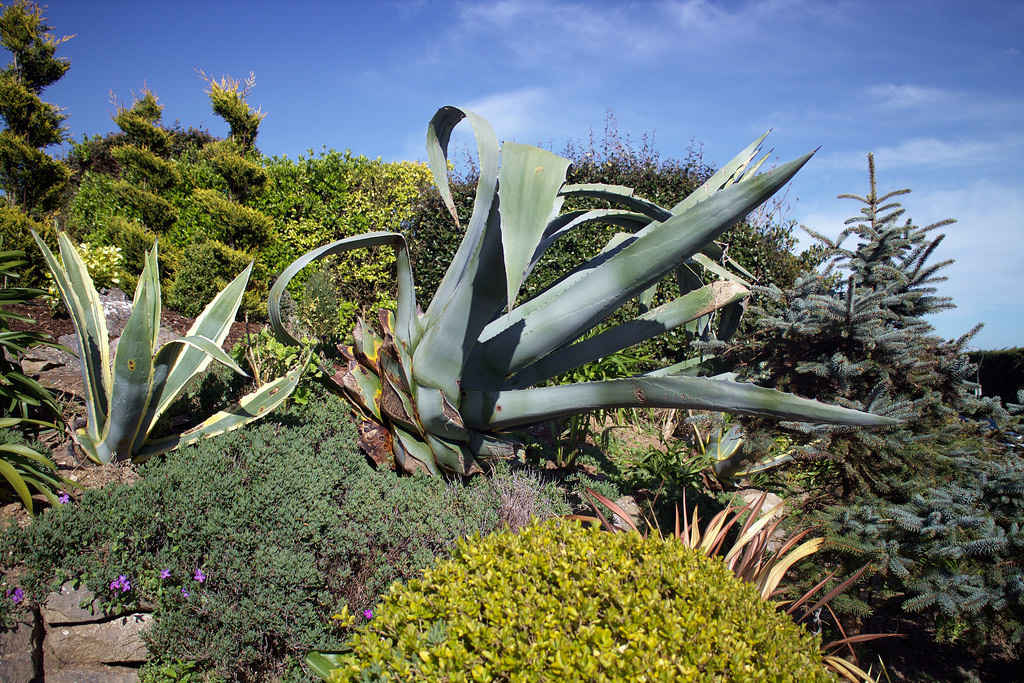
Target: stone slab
(20,651)
(63,607)
(116,641)
(99,674)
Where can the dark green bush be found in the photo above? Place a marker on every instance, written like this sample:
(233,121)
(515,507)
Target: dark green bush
(285,519)
(559,602)
(207,268)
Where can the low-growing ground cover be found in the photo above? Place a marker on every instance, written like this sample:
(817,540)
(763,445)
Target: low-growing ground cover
(248,544)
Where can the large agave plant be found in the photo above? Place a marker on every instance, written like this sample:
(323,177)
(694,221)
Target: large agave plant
(125,398)
(436,388)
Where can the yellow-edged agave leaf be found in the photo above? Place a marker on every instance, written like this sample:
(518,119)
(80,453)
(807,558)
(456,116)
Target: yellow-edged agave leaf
(214,323)
(132,389)
(252,407)
(83,303)
(528,183)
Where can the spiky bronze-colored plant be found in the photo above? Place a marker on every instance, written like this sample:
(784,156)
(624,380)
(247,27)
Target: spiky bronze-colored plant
(437,387)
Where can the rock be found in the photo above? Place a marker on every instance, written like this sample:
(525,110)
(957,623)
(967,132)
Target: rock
(96,674)
(20,651)
(771,501)
(116,641)
(63,607)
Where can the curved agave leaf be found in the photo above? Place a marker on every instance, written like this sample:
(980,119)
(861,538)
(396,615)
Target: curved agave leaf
(484,411)
(405,325)
(438,135)
(618,194)
(185,361)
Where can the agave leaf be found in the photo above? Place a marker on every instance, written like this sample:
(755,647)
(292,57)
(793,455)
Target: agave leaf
(413,454)
(722,177)
(365,388)
(438,415)
(566,222)
(718,270)
(406,293)
(252,406)
(450,456)
(131,392)
(438,134)
(323,663)
(90,328)
(654,322)
(655,251)
(528,184)
(503,409)
(440,357)
(618,194)
(185,362)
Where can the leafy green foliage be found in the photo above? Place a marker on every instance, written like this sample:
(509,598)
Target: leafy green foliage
(579,605)
(320,198)
(286,520)
(24,403)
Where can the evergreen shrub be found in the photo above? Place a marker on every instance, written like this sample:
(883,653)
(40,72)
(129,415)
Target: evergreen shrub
(285,522)
(561,602)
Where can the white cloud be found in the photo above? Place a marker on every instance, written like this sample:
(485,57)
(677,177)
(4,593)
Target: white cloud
(514,113)
(929,152)
(892,96)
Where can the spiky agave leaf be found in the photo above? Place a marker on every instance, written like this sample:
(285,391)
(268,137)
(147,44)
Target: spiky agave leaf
(442,382)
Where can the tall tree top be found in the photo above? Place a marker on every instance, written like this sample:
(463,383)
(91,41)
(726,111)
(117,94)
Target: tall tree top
(25,33)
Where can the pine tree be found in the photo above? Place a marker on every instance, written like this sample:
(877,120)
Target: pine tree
(31,179)
(933,505)
(856,334)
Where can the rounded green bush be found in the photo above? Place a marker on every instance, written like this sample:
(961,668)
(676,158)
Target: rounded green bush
(562,602)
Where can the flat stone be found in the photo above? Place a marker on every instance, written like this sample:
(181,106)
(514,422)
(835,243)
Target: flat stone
(117,641)
(63,607)
(97,674)
(20,651)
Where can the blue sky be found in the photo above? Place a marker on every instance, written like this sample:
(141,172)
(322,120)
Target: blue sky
(935,88)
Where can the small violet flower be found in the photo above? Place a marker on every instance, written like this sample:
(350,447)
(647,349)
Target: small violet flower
(184,593)
(199,575)
(121,583)
(368,613)
(64,499)
(16,595)
(165,573)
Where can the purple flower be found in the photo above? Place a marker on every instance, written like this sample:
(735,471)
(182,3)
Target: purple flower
(16,595)
(184,593)
(64,499)
(199,575)
(368,613)
(165,573)
(121,583)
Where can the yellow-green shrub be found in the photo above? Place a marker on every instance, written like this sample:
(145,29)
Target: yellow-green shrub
(561,602)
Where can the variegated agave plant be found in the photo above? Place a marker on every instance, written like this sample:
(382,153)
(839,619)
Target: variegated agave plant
(437,387)
(124,399)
